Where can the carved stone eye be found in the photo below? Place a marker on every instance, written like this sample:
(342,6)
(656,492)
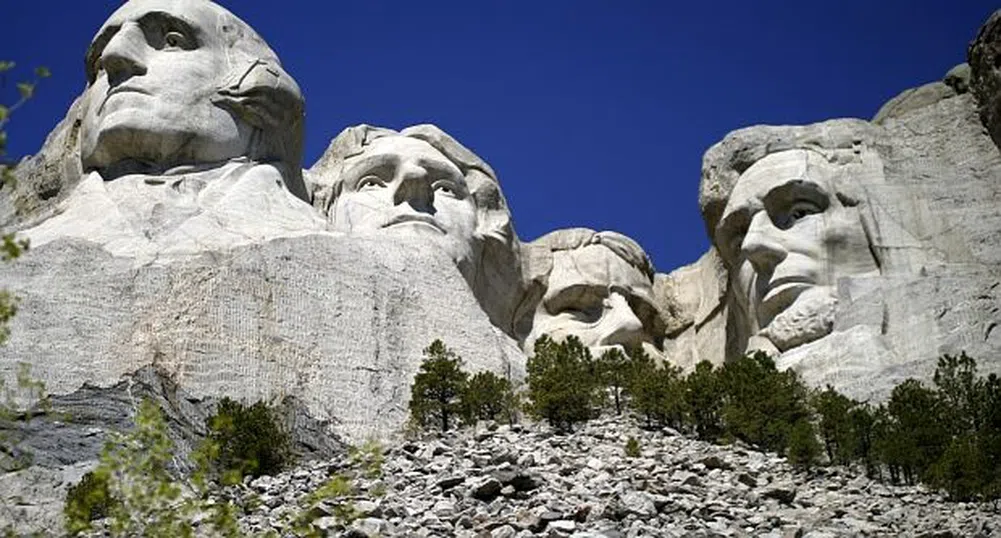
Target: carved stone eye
(371,182)
(175,39)
(446,187)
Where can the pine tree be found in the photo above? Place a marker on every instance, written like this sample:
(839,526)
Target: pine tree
(435,397)
(562,382)
(704,401)
(487,397)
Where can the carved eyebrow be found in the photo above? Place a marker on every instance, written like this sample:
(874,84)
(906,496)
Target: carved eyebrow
(796,189)
(572,294)
(160,18)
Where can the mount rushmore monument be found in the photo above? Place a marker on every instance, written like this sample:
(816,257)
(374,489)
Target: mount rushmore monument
(175,230)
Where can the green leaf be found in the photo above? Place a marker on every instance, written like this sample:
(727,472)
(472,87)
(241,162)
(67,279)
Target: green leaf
(6,66)
(4,113)
(42,72)
(26,89)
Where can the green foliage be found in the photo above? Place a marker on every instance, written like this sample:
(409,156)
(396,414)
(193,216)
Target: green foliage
(563,385)
(615,375)
(19,405)
(632,448)
(436,395)
(762,404)
(250,439)
(916,435)
(11,247)
(804,449)
(657,392)
(368,457)
(143,498)
(487,396)
(88,500)
(835,425)
(704,401)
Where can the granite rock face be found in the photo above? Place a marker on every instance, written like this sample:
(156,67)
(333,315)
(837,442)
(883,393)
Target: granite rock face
(339,323)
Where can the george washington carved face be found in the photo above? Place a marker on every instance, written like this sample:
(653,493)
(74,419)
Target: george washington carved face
(181,82)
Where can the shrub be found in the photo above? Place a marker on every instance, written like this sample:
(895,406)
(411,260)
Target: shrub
(251,440)
(87,500)
(435,396)
(487,396)
(632,448)
(562,382)
(803,445)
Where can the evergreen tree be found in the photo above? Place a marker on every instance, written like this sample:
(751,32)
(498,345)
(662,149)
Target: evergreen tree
(762,404)
(918,434)
(615,374)
(250,439)
(562,385)
(657,392)
(435,396)
(487,397)
(704,401)
(835,425)
(804,449)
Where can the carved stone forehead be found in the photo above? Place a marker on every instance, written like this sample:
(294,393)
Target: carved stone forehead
(199,12)
(778,169)
(594,265)
(216,24)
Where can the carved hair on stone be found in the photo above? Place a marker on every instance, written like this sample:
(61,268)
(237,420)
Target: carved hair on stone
(264,95)
(984,57)
(623,246)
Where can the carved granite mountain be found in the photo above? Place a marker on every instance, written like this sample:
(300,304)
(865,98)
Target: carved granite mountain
(857,252)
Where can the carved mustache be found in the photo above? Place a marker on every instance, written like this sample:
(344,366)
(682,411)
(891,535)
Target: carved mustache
(117,90)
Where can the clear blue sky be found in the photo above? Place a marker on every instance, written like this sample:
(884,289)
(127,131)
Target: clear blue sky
(593,113)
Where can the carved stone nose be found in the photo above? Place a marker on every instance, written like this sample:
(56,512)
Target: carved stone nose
(760,246)
(414,188)
(124,55)
(621,324)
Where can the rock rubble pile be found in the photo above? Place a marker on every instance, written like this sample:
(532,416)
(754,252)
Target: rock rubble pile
(521,481)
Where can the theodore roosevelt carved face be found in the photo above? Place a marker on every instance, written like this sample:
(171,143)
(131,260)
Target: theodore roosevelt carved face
(788,233)
(599,288)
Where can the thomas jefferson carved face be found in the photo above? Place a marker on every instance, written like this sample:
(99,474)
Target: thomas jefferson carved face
(788,235)
(153,69)
(403,185)
(596,295)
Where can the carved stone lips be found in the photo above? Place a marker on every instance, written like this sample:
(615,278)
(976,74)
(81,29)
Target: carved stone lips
(121,89)
(412,219)
(785,289)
